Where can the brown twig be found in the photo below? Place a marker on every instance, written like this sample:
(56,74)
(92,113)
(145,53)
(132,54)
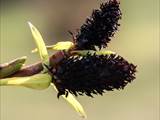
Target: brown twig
(37,67)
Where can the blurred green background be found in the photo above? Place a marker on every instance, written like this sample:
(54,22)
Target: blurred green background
(137,40)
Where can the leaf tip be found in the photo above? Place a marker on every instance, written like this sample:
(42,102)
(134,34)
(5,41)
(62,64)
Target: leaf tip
(29,23)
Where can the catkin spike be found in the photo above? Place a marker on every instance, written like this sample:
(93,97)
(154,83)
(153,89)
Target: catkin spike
(93,74)
(100,27)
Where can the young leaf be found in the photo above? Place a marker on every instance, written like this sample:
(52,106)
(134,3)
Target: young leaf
(74,103)
(62,45)
(66,45)
(38,81)
(44,56)
(40,44)
(85,52)
(104,52)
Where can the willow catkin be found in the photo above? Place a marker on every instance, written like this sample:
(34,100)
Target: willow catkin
(93,74)
(100,27)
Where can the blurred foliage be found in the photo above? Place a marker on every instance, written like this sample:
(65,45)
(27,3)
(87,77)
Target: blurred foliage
(137,40)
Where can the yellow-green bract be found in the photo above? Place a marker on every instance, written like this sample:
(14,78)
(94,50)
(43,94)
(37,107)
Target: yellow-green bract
(38,81)
(40,44)
(65,45)
(45,59)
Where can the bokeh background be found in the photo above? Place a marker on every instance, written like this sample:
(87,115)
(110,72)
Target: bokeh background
(137,40)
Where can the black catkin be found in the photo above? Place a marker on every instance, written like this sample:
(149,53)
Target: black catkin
(100,27)
(93,74)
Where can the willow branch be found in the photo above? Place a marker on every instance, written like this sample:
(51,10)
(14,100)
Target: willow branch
(36,67)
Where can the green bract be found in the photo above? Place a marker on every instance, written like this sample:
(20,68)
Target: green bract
(40,44)
(74,103)
(45,59)
(92,52)
(66,45)
(38,81)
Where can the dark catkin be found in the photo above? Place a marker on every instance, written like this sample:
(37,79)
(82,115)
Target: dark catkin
(93,74)
(100,27)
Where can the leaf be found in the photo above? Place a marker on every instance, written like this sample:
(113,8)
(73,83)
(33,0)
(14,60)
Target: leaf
(92,52)
(10,68)
(74,103)
(66,45)
(104,52)
(38,81)
(44,56)
(40,44)
(62,45)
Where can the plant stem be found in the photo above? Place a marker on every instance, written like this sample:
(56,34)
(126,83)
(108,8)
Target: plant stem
(33,68)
